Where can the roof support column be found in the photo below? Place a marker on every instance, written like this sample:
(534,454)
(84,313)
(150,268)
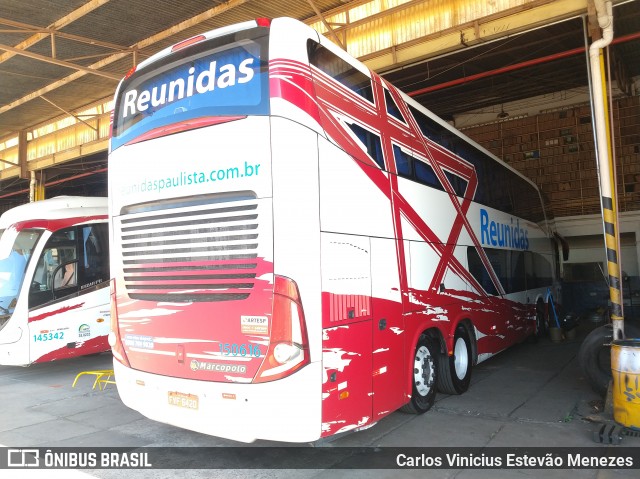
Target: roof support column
(606,167)
(22,154)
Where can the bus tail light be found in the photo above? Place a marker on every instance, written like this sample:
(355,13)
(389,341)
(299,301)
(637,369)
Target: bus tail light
(117,349)
(263,22)
(289,346)
(188,42)
(131,71)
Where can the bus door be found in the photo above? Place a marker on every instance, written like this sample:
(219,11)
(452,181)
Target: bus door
(69,297)
(347,332)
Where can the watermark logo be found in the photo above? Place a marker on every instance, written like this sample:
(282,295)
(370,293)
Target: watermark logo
(23,458)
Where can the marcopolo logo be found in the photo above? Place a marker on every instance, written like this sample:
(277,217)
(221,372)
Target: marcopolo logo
(493,233)
(217,367)
(186,84)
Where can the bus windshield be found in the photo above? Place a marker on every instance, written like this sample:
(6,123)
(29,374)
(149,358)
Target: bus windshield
(17,250)
(221,76)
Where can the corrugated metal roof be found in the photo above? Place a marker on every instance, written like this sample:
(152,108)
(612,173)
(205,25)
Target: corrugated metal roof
(112,27)
(111,24)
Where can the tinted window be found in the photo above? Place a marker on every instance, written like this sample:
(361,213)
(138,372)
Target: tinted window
(541,272)
(498,186)
(458,184)
(404,162)
(339,69)
(371,142)
(425,175)
(518,273)
(516,270)
(73,260)
(392,108)
(56,273)
(429,128)
(227,75)
(479,272)
(95,255)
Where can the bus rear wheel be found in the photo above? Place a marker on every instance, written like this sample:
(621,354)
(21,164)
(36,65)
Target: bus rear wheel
(542,325)
(455,371)
(425,377)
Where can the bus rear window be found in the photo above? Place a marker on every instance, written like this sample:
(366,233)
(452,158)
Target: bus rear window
(226,76)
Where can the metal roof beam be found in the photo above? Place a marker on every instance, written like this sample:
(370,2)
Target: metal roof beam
(61,63)
(93,68)
(43,33)
(60,23)
(69,113)
(326,24)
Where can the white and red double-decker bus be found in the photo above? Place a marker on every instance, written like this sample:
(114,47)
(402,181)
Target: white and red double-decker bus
(300,249)
(54,280)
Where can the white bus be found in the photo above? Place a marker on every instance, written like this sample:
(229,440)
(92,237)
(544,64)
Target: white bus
(54,280)
(298,248)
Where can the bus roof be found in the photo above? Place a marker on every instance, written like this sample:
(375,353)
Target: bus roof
(55,208)
(218,32)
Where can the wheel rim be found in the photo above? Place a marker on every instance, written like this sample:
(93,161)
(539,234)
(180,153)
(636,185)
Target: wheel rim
(461,361)
(423,371)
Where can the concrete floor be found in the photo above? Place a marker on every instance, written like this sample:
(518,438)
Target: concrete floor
(530,395)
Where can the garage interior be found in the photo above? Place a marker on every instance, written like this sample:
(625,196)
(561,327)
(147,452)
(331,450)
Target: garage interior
(512,75)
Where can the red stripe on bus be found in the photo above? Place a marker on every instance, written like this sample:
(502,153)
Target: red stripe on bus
(53,313)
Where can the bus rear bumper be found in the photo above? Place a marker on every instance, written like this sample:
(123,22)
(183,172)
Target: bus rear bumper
(287,410)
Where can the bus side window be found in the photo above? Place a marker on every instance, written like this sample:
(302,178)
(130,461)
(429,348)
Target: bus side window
(56,272)
(95,252)
(339,69)
(371,142)
(479,272)
(65,274)
(404,162)
(392,108)
(424,174)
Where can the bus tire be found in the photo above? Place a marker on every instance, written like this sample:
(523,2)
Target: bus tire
(542,323)
(594,355)
(454,372)
(424,375)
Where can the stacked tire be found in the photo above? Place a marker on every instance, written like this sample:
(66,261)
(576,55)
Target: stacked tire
(595,355)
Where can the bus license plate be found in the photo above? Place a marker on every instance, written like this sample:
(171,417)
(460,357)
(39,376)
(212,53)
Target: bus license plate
(189,401)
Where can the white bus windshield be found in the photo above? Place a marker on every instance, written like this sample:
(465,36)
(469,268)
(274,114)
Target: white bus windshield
(222,77)
(13,266)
